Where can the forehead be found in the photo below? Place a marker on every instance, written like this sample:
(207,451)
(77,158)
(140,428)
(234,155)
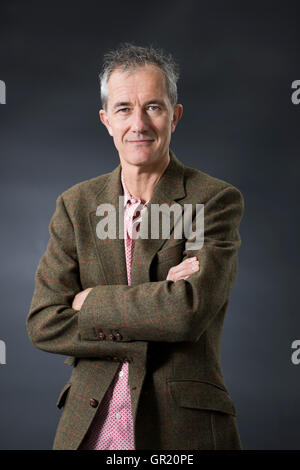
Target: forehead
(142,80)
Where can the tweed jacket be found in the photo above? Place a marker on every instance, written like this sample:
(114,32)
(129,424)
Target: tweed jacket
(170,332)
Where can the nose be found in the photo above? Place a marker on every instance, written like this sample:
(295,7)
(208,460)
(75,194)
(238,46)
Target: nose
(139,123)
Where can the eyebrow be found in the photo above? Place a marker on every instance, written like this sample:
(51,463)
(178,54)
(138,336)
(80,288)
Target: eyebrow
(127,103)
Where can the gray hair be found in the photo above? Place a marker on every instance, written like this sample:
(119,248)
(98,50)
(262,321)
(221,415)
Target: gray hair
(129,57)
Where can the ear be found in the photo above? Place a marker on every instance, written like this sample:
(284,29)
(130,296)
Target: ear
(105,121)
(177,113)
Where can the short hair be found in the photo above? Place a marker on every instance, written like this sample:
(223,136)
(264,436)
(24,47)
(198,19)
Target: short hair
(129,57)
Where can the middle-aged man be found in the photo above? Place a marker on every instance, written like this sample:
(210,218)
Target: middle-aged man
(139,320)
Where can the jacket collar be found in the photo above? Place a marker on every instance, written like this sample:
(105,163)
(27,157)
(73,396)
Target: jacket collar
(169,187)
(111,251)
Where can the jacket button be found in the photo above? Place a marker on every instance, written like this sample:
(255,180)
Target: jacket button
(111,337)
(118,336)
(94,403)
(115,359)
(101,335)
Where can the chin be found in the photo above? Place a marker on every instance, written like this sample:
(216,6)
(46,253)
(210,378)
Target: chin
(141,158)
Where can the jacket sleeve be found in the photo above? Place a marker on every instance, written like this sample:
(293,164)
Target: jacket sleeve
(52,324)
(174,311)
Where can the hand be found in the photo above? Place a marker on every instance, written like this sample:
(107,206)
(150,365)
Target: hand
(184,269)
(80,298)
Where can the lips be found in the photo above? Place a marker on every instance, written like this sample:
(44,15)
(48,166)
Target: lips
(143,140)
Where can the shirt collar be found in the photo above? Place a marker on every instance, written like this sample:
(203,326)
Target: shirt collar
(127,195)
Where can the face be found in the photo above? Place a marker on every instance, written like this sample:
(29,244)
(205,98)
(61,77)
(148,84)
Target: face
(139,115)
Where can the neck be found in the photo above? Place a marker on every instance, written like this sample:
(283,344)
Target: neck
(141,180)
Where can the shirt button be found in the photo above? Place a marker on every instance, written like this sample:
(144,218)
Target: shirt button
(118,416)
(121,373)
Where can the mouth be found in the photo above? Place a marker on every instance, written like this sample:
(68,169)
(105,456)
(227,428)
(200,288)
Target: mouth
(140,141)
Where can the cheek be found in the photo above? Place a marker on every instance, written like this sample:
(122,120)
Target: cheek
(165,128)
(160,125)
(119,132)
(165,122)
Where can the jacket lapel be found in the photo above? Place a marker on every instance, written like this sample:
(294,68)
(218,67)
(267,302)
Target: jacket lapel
(111,251)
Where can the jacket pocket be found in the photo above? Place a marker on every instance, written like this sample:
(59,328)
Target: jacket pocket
(201,395)
(63,395)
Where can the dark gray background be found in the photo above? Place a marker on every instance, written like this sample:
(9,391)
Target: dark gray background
(238,60)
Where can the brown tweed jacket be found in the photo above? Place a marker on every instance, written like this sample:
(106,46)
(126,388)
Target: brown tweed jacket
(169,332)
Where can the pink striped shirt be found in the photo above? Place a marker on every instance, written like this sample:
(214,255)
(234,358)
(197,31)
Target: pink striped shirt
(113,428)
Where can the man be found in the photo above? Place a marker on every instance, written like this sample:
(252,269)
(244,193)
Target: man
(139,319)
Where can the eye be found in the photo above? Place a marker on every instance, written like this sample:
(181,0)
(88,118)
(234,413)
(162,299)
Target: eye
(153,106)
(122,109)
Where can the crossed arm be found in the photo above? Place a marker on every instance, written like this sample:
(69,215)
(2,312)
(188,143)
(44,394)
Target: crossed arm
(152,311)
(181,271)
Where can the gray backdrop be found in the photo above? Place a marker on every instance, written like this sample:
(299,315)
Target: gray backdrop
(238,60)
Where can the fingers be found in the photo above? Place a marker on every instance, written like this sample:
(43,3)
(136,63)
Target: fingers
(186,263)
(184,269)
(188,270)
(80,298)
